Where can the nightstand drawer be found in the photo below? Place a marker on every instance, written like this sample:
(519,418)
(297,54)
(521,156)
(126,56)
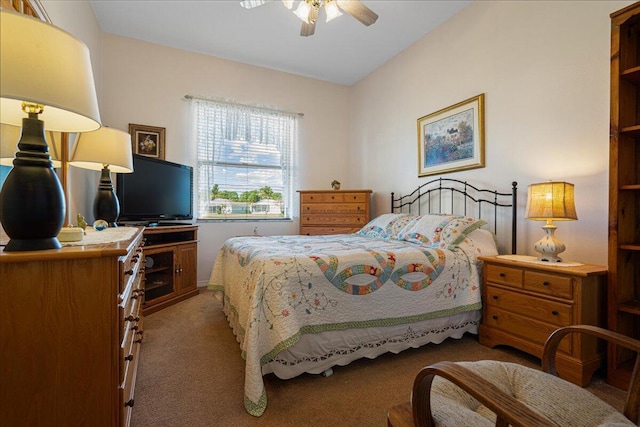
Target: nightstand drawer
(524,327)
(537,308)
(549,284)
(504,275)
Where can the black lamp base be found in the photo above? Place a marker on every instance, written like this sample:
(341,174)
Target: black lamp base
(32,206)
(105,205)
(15,245)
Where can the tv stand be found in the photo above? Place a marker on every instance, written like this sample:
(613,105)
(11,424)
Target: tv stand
(171,264)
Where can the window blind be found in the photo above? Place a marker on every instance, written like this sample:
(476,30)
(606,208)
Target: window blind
(244,161)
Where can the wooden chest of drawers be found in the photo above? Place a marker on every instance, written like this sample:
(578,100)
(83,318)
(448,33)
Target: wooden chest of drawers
(524,302)
(333,211)
(70,334)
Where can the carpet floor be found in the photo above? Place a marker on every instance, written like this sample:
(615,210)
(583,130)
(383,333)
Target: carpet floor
(191,374)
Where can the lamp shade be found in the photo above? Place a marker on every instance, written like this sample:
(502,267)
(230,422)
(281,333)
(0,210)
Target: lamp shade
(9,136)
(42,64)
(551,201)
(106,146)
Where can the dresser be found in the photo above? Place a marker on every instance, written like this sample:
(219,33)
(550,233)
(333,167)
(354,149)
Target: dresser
(333,211)
(524,302)
(70,334)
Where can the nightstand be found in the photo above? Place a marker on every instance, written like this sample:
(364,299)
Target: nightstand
(523,302)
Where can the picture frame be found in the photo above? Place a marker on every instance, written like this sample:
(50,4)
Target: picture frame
(147,140)
(452,139)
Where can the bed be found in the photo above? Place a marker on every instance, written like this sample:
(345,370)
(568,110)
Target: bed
(301,304)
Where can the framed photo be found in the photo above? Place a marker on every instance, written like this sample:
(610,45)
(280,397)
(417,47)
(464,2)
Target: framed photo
(147,140)
(452,139)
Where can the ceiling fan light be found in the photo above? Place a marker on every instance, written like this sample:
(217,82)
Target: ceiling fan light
(288,3)
(332,10)
(303,11)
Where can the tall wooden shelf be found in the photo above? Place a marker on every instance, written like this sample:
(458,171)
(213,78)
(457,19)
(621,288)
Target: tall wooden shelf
(624,190)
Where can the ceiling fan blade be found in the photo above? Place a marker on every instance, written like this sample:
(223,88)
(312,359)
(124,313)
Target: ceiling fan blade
(250,4)
(308,29)
(359,11)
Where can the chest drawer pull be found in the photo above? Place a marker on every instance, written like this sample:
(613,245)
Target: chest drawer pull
(494,317)
(545,283)
(130,318)
(129,357)
(496,297)
(555,312)
(502,275)
(128,272)
(129,403)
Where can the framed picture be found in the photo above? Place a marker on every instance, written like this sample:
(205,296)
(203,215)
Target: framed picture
(147,140)
(452,139)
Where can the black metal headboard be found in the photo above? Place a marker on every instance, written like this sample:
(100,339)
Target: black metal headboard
(430,196)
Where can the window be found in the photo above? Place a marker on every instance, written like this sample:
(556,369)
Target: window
(245,161)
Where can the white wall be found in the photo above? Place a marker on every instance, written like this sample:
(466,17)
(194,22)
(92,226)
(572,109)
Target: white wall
(145,84)
(544,69)
(543,66)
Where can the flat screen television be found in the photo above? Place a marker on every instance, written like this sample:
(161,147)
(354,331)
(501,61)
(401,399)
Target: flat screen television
(156,191)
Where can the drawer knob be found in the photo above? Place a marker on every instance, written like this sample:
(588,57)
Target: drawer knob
(129,357)
(545,283)
(138,341)
(494,317)
(554,312)
(135,257)
(502,275)
(130,318)
(128,272)
(495,297)
(129,403)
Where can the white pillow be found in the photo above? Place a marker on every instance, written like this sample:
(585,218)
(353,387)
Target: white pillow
(385,226)
(445,231)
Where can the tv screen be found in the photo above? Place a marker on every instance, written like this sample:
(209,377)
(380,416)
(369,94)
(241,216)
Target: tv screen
(157,190)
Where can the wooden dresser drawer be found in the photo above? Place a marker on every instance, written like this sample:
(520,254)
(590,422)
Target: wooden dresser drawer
(334,197)
(320,208)
(333,220)
(504,275)
(553,312)
(319,231)
(549,284)
(525,327)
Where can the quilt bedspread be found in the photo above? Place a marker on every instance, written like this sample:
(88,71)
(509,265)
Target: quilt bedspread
(275,289)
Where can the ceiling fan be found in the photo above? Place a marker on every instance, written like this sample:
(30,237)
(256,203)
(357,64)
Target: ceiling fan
(308,11)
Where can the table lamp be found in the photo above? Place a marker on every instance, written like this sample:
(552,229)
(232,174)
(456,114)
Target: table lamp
(107,150)
(550,201)
(46,82)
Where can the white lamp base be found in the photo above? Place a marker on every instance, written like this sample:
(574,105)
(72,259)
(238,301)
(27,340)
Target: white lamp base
(549,246)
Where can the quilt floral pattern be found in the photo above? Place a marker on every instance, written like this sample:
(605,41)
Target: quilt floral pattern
(275,289)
